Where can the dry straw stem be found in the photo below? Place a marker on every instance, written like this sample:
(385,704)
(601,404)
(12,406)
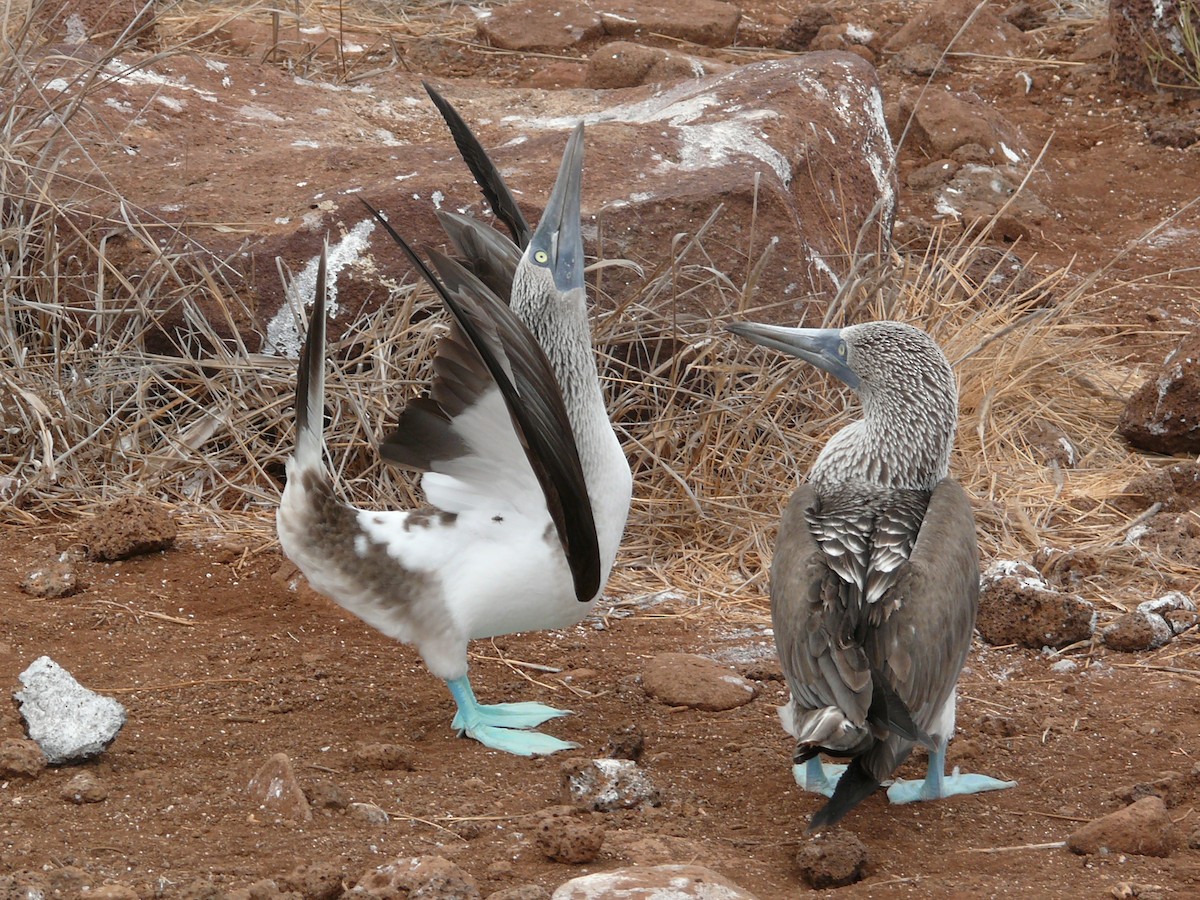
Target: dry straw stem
(718,432)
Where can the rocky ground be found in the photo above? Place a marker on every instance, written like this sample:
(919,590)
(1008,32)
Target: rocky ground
(224,659)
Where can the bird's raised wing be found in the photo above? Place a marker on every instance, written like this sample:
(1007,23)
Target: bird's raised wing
(487,176)
(484,252)
(460,436)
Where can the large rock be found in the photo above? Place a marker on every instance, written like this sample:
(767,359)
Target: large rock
(795,150)
(1016,606)
(1163,415)
(1143,828)
(943,122)
(555,25)
(939,22)
(622,64)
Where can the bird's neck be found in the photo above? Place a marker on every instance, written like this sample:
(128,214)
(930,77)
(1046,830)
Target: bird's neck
(890,451)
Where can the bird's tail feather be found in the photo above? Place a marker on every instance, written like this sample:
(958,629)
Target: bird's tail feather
(890,711)
(855,785)
(310,383)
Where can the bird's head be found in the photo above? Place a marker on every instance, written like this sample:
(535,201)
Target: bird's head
(551,269)
(901,375)
(879,360)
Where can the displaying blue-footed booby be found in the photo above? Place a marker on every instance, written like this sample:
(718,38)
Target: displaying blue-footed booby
(528,486)
(875,578)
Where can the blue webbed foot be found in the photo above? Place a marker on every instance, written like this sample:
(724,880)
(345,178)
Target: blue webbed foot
(512,715)
(520,742)
(935,785)
(816,777)
(505,726)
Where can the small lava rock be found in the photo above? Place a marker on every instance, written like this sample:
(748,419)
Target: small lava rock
(1163,415)
(669,882)
(69,722)
(932,175)
(417,878)
(128,527)
(521,892)
(1143,828)
(21,758)
(1135,631)
(369,813)
(325,793)
(51,581)
(569,840)
(319,881)
(803,29)
(113,892)
(1152,624)
(84,787)
(607,784)
(385,757)
(627,741)
(684,679)
(274,786)
(1016,606)
(832,859)
(918,59)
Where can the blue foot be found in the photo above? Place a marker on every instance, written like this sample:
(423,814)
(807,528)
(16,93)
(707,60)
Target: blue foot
(517,741)
(935,785)
(817,778)
(502,726)
(512,715)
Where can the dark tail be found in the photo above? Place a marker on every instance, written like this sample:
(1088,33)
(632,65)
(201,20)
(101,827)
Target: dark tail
(487,176)
(855,785)
(310,382)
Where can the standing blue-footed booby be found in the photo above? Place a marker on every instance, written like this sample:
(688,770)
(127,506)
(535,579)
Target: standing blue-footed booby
(875,578)
(528,485)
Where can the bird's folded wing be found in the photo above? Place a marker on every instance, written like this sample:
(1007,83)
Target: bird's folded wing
(487,176)
(936,594)
(522,408)
(822,664)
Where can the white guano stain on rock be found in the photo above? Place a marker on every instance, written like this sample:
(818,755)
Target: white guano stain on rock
(283,333)
(123,74)
(703,144)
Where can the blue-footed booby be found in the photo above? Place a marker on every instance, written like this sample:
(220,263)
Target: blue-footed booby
(527,484)
(875,577)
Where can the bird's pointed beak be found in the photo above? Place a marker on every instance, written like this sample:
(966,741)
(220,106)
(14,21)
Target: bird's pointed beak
(822,347)
(560,229)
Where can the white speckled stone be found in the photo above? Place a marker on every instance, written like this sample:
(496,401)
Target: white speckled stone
(69,722)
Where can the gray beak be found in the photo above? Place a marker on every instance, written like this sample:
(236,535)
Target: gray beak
(823,347)
(559,233)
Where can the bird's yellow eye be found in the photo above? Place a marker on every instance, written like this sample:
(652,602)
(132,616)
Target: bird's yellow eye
(842,349)
(541,256)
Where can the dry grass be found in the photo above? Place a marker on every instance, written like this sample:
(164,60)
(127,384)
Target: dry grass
(718,432)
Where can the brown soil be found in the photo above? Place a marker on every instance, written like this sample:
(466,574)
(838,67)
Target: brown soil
(222,660)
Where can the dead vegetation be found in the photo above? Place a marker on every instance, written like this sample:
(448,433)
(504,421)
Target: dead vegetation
(717,431)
